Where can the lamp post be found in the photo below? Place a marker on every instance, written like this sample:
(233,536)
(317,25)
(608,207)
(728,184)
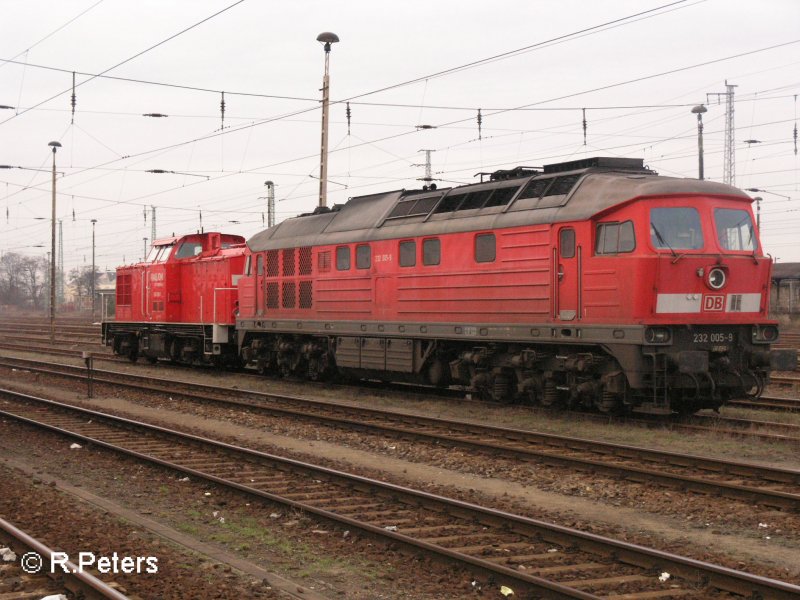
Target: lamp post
(699,110)
(94,221)
(327,38)
(54,146)
(758,200)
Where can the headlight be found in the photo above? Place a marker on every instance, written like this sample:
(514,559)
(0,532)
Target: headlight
(716,278)
(657,335)
(766,334)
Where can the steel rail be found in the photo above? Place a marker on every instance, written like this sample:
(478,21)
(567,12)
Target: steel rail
(82,584)
(514,443)
(696,573)
(768,403)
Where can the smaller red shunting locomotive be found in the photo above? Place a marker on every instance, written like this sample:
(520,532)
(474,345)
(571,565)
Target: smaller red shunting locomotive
(180,302)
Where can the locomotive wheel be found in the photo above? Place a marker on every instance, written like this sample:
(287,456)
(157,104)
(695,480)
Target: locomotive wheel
(175,350)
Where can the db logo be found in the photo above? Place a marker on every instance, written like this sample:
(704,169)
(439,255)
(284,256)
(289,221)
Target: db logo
(713,303)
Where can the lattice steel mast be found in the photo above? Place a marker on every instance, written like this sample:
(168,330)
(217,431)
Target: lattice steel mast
(729,168)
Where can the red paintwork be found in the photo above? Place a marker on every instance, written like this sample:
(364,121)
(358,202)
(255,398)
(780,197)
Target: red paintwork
(522,285)
(182,290)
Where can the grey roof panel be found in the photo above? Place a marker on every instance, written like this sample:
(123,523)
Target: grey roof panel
(362,218)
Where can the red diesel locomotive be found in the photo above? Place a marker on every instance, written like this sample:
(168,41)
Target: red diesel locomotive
(593,283)
(180,303)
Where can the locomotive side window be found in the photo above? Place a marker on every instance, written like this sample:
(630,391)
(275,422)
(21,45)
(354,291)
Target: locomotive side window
(676,228)
(431,252)
(734,229)
(189,249)
(614,238)
(408,253)
(363,257)
(260,264)
(566,243)
(343,258)
(485,248)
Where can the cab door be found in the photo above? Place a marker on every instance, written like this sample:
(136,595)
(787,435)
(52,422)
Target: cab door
(566,275)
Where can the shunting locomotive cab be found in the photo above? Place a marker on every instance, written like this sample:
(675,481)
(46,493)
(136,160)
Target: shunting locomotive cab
(179,304)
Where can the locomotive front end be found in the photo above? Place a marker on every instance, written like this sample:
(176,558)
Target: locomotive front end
(709,334)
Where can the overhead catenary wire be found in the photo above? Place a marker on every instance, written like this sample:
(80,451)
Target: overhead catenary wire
(129,59)
(346,101)
(471,116)
(55,31)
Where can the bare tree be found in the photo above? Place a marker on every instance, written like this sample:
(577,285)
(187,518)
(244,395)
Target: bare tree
(11,280)
(82,279)
(34,278)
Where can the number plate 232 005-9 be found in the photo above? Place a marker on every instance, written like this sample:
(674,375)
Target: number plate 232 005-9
(718,340)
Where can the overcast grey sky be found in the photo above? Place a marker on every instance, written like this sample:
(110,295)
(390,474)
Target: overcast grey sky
(638,78)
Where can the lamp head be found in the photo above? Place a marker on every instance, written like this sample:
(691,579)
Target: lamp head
(327,38)
(54,145)
(699,109)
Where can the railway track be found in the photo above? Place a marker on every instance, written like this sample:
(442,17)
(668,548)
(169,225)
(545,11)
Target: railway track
(17,581)
(16,327)
(768,403)
(519,552)
(98,352)
(779,488)
(741,427)
(72,338)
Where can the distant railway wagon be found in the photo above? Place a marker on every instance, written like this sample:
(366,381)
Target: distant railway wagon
(590,283)
(180,302)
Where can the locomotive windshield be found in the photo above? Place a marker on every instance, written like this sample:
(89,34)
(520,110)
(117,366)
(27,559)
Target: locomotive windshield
(734,229)
(676,228)
(159,253)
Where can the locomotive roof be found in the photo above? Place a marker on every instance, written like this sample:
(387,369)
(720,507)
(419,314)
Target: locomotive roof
(564,192)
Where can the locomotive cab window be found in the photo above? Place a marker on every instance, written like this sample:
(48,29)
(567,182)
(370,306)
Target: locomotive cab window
(363,257)
(485,248)
(408,253)
(615,238)
(676,228)
(189,249)
(159,254)
(260,264)
(431,252)
(343,258)
(734,229)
